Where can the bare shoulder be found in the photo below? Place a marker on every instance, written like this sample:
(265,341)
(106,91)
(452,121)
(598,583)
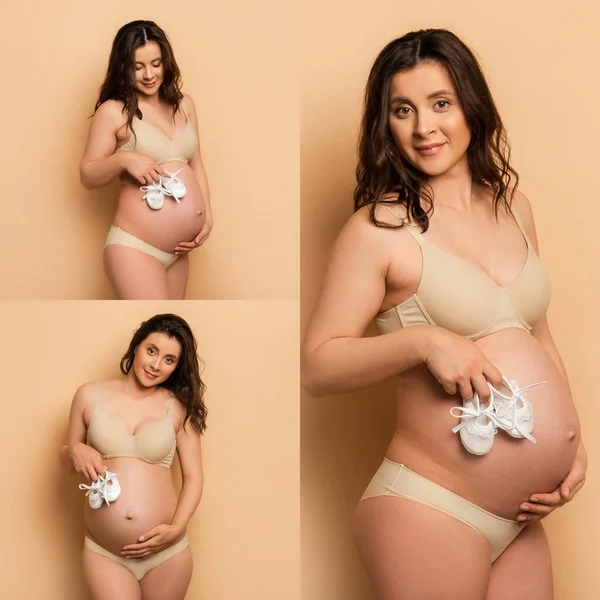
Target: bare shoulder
(188,103)
(522,207)
(86,395)
(111,109)
(179,414)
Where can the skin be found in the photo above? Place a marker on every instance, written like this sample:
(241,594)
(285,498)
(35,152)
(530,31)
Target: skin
(135,400)
(374,269)
(136,275)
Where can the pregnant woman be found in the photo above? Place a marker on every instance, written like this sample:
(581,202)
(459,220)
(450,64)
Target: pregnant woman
(442,253)
(145,132)
(123,435)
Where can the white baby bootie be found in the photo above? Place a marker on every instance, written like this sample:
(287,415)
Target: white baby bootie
(95,493)
(112,487)
(173,186)
(105,489)
(478,424)
(514,409)
(154,196)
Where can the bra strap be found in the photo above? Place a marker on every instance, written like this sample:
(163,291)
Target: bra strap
(184,112)
(405,223)
(520,225)
(170,406)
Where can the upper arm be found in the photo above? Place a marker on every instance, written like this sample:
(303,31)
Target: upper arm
(354,285)
(82,402)
(190,108)
(189,446)
(102,137)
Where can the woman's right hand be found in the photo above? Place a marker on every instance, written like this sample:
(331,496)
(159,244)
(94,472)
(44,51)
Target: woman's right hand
(459,365)
(142,167)
(86,461)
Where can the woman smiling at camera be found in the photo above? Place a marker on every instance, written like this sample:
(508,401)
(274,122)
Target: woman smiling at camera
(123,435)
(442,253)
(145,132)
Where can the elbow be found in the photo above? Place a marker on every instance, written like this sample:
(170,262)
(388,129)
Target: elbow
(84,178)
(85,182)
(312,380)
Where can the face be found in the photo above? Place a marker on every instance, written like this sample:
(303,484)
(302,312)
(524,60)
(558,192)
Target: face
(149,70)
(426,120)
(155,359)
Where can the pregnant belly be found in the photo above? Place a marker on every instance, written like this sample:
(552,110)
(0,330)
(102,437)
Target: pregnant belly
(173,223)
(515,468)
(147,499)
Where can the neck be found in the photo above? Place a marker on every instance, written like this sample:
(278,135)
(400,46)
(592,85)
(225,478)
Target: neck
(454,188)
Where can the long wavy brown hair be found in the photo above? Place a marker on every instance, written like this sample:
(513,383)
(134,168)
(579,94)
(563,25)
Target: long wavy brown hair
(383,172)
(184,383)
(119,83)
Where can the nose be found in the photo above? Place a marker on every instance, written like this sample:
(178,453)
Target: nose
(148,73)
(155,364)
(424,124)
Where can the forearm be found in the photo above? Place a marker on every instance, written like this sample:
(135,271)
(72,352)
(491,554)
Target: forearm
(350,364)
(189,498)
(98,173)
(65,459)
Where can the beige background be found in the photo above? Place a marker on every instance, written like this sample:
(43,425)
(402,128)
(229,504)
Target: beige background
(245,534)
(239,66)
(541,63)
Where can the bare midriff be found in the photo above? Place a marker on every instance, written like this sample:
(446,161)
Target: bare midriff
(147,499)
(173,223)
(515,468)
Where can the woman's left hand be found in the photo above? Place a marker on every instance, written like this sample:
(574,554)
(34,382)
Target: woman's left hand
(157,539)
(184,247)
(541,505)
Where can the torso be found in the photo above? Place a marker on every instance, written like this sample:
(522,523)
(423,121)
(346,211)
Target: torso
(423,439)
(174,222)
(148,497)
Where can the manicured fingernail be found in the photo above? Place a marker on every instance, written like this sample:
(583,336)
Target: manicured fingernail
(567,492)
(521,518)
(533,499)
(142,538)
(525,507)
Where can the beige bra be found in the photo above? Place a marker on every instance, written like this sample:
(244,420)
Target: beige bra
(153,442)
(153,142)
(458,296)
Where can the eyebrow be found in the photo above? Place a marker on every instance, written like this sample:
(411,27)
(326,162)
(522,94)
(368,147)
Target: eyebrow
(139,62)
(402,99)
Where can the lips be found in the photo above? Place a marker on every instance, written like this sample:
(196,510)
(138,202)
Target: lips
(150,375)
(430,149)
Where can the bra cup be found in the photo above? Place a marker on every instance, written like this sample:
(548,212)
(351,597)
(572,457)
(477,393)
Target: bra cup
(154,143)
(105,434)
(154,441)
(530,293)
(459,298)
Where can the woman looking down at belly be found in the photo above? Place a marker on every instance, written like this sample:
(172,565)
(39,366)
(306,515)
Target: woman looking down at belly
(123,435)
(145,132)
(442,253)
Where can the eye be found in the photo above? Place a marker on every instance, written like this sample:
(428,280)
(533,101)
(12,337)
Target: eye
(403,111)
(151,351)
(157,64)
(442,104)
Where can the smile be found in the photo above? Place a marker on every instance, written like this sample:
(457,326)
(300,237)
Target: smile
(430,149)
(150,375)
